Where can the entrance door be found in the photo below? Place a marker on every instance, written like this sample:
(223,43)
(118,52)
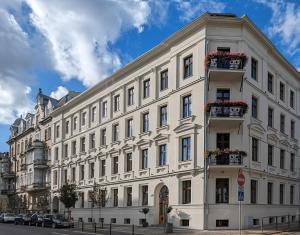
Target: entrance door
(163,204)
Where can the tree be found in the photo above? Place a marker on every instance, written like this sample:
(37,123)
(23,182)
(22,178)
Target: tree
(68,196)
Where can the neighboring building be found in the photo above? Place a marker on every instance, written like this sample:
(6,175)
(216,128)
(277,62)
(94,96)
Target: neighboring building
(5,186)
(169,129)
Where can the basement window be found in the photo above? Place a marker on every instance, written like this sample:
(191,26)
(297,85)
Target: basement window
(185,222)
(222,223)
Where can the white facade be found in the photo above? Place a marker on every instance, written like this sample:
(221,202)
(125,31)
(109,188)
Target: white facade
(201,197)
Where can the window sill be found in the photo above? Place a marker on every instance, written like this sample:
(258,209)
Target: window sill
(92,150)
(131,138)
(187,119)
(82,153)
(115,143)
(283,134)
(103,146)
(270,128)
(148,133)
(165,127)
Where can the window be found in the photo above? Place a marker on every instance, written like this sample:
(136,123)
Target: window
(73,174)
(293,129)
(254,68)
(186,106)
(253,195)
(130,96)
(186,192)
(270,154)
(92,170)
(292,162)
(103,198)
(270,117)
(222,190)
(117,103)
(75,123)
(144,195)
(254,107)
(129,128)
(145,122)
(270,193)
(104,109)
(223,141)
(255,222)
(292,99)
(82,199)
(184,222)
(113,220)
(74,148)
(56,153)
(92,141)
(146,90)
(67,127)
(223,95)
(115,195)
(93,114)
(102,167)
(115,165)
(82,144)
(282,158)
(281,91)
(115,132)
(55,177)
(129,162)
(254,149)
(163,117)
(103,137)
(129,196)
(144,160)
(66,151)
(222,223)
(83,121)
(126,221)
(223,49)
(188,66)
(81,172)
(282,123)
(164,80)
(57,131)
(292,187)
(270,82)
(162,155)
(281,193)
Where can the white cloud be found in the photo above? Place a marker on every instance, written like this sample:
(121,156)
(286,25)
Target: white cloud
(59,93)
(80,33)
(194,8)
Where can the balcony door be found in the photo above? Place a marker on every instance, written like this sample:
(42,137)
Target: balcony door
(223,95)
(222,190)
(223,142)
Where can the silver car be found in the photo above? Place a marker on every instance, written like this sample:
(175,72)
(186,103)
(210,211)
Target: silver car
(7,218)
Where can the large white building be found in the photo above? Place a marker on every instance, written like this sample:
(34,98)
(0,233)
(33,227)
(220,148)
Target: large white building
(174,127)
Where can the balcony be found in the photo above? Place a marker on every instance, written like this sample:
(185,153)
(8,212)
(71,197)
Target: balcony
(8,175)
(40,163)
(229,112)
(7,191)
(222,65)
(35,187)
(221,158)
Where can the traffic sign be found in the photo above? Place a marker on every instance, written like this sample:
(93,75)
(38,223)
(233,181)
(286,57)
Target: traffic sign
(241,196)
(241,178)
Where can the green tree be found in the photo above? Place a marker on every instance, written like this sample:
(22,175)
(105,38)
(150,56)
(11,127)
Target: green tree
(68,196)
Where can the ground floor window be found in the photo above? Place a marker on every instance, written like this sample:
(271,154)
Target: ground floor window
(222,190)
(113,220)
(185,222)
(186,192)
(126,221)
(222,223)
(255,222)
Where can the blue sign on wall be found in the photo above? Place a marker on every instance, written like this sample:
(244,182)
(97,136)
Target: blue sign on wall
(241,196)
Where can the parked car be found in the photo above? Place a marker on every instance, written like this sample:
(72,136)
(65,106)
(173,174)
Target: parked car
(56,221)
(36,219)
(22,219)
(7,218)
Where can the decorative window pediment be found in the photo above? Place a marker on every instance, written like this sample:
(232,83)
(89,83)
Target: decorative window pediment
(186,126)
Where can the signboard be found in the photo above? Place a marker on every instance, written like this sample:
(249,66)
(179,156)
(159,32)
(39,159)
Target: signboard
(241,183)
(241,196)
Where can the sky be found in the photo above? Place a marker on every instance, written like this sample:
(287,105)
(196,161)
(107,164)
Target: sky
(62,45)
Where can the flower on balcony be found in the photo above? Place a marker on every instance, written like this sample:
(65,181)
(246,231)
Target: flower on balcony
(225,57)
(242,104)
(220,152)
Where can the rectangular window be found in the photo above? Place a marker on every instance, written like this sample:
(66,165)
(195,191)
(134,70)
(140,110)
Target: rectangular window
(129,196)
(253,194)
(73,174)
(57,131)
(223,141)
(115,165)
(163,117)
(186,106)
(188,66)
(282,158)
(93,114)
(254,68)
(281,194)
(104,109)
(103,137)
(146,90)
(186,149)
(67,127)
(186,192)
(74,148)
(281,91)
(145,122)
(92,141)
(129,128)
(254,149)
(115,132)
(282,123)
(92,170)
(103,197)
(55,177)
(129,162)
(83,121)
(292,187)
(293,129)
(270,82)
(270,117)
(164,80)
(270,193)
(102,167)
(116,103)
(56,153)
(270,154)
(82,144)
(81,172)
(66,151)
(254,110)
(222,190)
(115,195)
(82,199)
(222,223)
(292,162)
(130,96)
(144,160)
(292,99)
(223,95)
(145,195)
(162,155)
(75,123)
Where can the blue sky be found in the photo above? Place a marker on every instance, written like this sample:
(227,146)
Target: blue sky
(63,45)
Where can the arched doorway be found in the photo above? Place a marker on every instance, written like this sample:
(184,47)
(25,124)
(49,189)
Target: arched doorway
(163,204)
(55,204)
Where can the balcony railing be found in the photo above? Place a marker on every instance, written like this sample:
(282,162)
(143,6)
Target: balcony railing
(6,175)
(227,109)
(226,157)
(7,191)
(221,60)
(40,163)
(36,186)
